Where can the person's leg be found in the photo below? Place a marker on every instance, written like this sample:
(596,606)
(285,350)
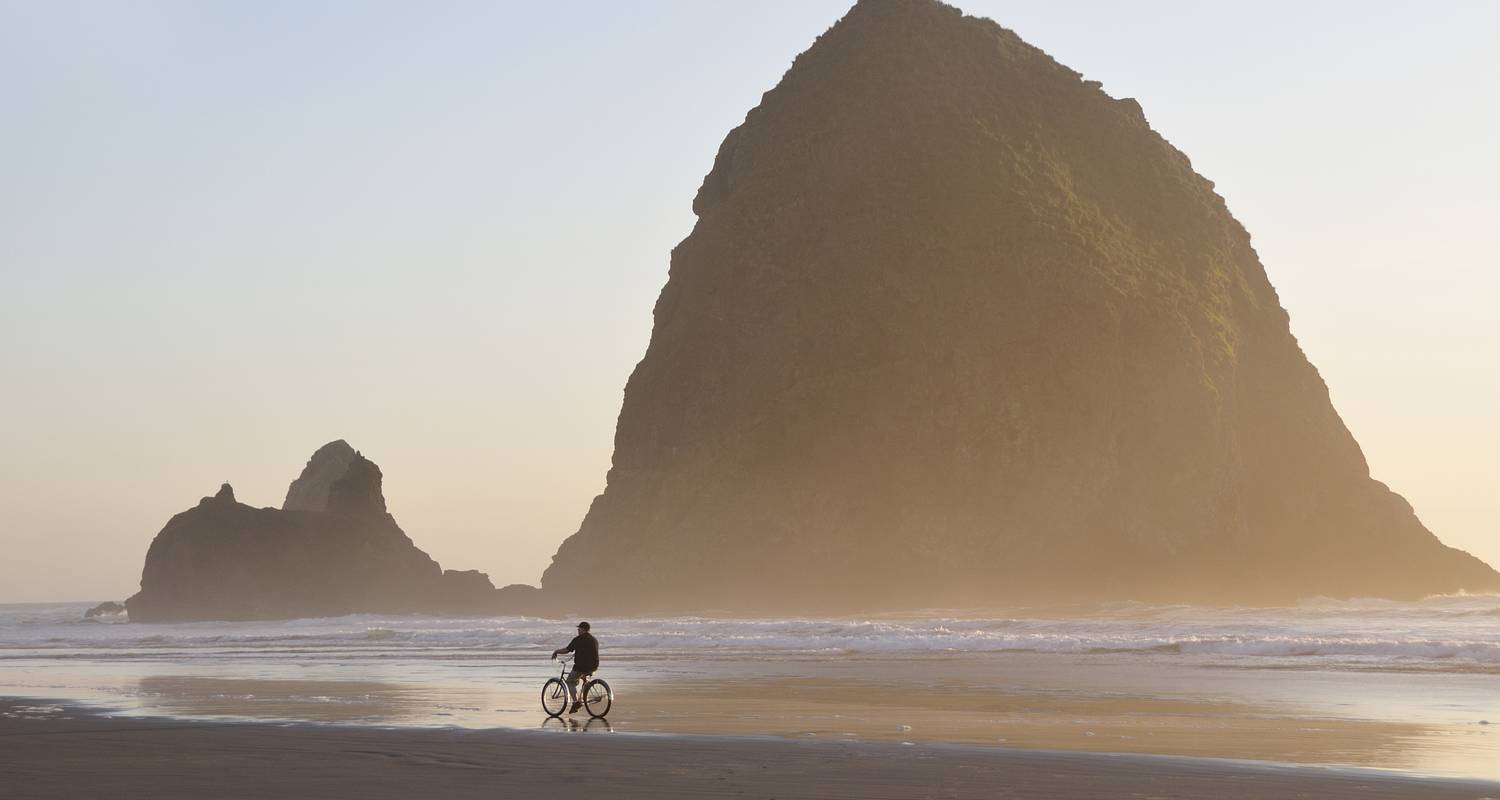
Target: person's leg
(574,676)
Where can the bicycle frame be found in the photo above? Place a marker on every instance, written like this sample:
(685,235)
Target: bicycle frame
(563,676)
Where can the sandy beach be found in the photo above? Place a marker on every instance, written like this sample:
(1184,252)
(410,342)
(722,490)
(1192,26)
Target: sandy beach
(53,750)
(1407,688)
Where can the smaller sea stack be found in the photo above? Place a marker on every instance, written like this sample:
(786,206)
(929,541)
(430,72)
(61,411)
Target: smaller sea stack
(332,549)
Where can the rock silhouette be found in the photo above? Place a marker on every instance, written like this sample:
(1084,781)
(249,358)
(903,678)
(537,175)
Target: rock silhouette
(310,491)
(108,608)
(955,327)
(333,550)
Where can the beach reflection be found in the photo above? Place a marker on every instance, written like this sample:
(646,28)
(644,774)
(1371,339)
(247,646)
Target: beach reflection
(1438,722)
(315,701)
(1040,706)
(1114,722)
(570,725)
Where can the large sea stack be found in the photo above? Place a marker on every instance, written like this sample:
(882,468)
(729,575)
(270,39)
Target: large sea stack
(956,327)
(331,549)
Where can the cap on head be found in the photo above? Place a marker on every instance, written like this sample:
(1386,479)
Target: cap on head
(583,626)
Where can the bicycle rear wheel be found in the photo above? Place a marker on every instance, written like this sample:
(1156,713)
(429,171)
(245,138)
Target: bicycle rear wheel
(554,697)
(597,698)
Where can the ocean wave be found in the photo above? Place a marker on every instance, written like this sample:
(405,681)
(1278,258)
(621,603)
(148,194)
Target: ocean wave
(1436,630)
(878,638)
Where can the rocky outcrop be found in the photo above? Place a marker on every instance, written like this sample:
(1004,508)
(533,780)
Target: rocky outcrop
(310,491)
(105,610)
(527,600)
(955,327)
(333,550)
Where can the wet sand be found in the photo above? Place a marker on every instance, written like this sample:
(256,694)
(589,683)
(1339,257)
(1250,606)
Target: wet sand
(53,750)
(881,701)
(1090,723)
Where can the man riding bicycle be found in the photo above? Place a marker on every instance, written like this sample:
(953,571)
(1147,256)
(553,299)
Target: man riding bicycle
(585,650)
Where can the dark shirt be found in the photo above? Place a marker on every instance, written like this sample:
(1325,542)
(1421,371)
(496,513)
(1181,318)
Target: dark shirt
(585,650)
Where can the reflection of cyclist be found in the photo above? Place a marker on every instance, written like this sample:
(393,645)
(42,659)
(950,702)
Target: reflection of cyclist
(585,650)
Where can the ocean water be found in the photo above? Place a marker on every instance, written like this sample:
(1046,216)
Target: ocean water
(1412,685)
(1437,634)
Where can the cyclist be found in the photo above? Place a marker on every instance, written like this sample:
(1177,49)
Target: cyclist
(585,650)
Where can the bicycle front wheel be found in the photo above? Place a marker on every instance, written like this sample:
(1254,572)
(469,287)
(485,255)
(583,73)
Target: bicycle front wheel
(597,698)
(554,697)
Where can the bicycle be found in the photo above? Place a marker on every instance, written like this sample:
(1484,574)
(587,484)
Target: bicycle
(597,696)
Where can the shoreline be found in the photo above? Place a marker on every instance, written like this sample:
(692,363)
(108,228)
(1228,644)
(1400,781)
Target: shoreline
(59,748)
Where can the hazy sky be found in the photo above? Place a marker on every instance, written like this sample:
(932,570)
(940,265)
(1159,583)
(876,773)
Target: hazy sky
(230,233)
